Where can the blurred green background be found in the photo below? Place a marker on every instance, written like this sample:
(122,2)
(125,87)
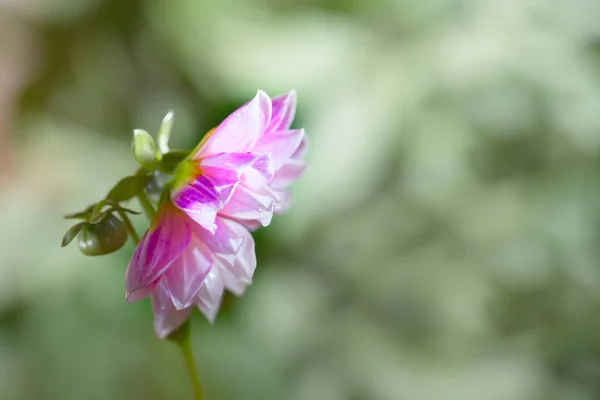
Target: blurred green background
(443,244)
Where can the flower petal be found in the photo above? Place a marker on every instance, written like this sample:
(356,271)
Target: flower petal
(233,283)
(223,242)
(253,199)
(166,317)
(290,171)
(240,131)
(244,264)
(250,224)
(210,296)
(280,145)
(202,198)
(186,274)
(302,149)
(285,203)
(229,166)
(246,204)
(205,195)
(288,174)
(284,110)
(164,241)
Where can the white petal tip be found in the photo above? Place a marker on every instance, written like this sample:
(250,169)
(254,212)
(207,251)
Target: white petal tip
(169,116)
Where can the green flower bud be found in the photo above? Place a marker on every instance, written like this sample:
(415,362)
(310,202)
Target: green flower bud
(164,133)
(104,237)
(144,149)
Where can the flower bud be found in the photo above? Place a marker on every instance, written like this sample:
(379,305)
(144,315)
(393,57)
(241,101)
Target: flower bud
(144,149)
(104,237)
(164,133)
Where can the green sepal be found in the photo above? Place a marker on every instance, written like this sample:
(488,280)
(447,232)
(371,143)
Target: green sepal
(71,233)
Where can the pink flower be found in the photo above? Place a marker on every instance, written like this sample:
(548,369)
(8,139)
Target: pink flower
(198,244)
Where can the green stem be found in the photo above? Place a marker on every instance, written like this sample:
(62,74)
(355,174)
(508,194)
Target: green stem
(132,232)
(146,205)
(181,337)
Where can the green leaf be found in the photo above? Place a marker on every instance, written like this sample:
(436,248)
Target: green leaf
(164,133)
(118,207)
(85,214)
(144,149)
(128,188)
(171,160)
(71,233)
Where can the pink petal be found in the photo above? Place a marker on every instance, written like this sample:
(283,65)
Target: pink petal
(166,317)
(302,149)
(240,131)
(284,110)
(229,166)
(244,264)
(251,205)
(204,196)
(186,274)
(253,199)
(223,242)
(280,145)
(263,167)
(210,296)
(250,224)
(290,171)
(286,202)
(159,246)
(233,283)
(200,200)
(288,174)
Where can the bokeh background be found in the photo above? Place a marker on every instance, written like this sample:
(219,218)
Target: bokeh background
(444,243)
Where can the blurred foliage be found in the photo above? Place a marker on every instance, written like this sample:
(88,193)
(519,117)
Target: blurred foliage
(443,243)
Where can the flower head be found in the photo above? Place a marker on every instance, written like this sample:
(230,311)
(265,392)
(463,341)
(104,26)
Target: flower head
(198,243)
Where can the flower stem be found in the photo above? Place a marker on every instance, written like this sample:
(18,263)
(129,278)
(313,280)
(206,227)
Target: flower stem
(181,337)
(132,232)
(146,205)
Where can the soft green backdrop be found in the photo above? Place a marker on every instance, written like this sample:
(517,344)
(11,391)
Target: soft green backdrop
(444,243)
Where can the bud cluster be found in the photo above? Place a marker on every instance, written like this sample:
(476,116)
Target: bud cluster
(101,231)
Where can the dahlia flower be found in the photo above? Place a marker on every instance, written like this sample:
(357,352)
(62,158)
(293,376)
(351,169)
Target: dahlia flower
(198,243)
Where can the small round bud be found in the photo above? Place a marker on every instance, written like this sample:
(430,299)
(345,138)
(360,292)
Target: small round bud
(104,237)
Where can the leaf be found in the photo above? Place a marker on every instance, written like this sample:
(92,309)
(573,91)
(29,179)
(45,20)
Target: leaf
(71,233)
(127,188)
(85,214)
(144,149)
(171,160)
(123,209)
